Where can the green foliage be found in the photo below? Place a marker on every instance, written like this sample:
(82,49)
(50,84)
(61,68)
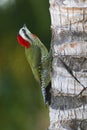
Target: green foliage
(21,105)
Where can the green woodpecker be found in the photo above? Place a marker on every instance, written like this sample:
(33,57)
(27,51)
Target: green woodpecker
(38,58)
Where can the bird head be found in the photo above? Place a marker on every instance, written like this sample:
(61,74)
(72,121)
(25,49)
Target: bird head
(25,37)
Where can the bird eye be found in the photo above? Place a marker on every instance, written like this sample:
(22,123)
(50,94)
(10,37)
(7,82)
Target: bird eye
(23,30)
(26,35)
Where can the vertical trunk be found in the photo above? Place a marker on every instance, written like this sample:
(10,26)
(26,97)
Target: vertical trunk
(68,109)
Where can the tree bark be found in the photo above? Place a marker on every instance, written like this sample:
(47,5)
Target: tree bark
(68,109)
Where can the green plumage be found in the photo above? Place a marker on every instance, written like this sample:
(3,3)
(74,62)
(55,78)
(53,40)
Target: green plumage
(40,63)
(38,58)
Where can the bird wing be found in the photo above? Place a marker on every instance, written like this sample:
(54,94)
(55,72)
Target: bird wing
(33,55)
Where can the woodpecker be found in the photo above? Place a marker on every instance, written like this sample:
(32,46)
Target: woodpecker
(39,59)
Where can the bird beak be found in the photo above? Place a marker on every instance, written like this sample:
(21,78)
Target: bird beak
(24,26)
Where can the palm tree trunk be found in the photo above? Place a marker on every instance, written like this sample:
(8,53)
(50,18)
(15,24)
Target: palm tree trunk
(68,109)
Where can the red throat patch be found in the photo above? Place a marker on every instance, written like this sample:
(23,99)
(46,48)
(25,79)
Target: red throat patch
(23,42)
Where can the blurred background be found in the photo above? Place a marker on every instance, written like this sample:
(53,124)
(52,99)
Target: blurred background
(21,103)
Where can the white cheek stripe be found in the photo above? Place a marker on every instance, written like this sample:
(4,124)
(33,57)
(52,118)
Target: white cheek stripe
(21,33)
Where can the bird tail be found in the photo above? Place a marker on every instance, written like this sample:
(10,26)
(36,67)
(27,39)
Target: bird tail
(46,94)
